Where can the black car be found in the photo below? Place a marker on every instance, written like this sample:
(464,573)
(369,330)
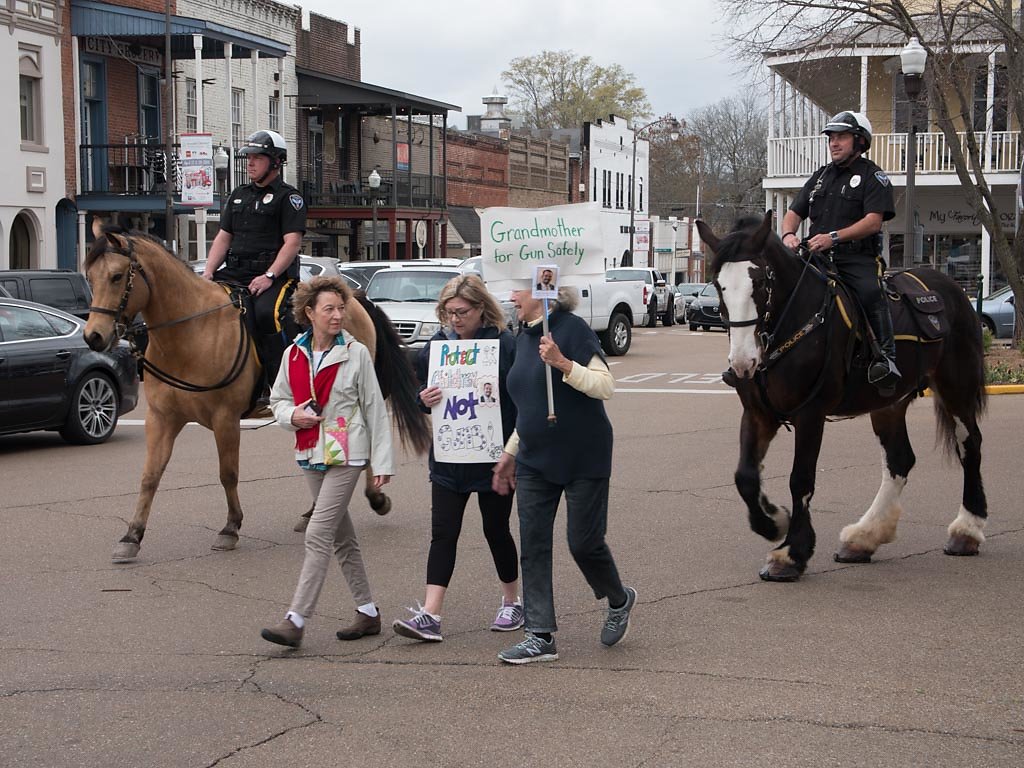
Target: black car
(62,289)
(704,310)
(51,380)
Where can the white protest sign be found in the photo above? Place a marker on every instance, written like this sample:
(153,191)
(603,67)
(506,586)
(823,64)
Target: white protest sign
(467,421)
(514,241)
(197,173)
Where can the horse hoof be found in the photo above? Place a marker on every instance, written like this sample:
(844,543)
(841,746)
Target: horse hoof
(382,507)
(848,554)
(224,543)
(779,572)
(301,524)
(125,552)
(961,546)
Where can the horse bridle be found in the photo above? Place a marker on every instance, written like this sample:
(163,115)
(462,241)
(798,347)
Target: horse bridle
(123,330)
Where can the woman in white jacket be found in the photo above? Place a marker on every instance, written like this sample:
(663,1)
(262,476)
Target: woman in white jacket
(327,394)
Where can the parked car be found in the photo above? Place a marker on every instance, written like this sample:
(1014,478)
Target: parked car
(659,296)
(998,313)
(360,272)
(51,380)
(704,311)
(62,289)
(686,293)
(409,298)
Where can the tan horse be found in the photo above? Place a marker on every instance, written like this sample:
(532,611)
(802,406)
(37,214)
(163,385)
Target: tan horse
(201,364)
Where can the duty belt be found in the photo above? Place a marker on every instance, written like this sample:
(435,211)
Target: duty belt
(258,262)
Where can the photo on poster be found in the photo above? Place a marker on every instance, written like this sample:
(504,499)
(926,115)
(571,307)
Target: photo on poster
(545,281)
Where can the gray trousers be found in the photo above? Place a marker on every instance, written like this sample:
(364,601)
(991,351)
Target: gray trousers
(329,528)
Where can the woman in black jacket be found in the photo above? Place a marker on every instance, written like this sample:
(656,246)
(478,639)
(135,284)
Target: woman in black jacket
(467,311)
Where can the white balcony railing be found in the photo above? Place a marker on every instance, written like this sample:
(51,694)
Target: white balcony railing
(800,156)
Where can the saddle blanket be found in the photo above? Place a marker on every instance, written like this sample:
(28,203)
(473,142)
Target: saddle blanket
(918,313)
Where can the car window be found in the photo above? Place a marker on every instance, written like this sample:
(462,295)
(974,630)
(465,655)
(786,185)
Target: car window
(407,285)
(61,325)
(617,275)
(22,324)
(709,290)
(56,292)
(11,287)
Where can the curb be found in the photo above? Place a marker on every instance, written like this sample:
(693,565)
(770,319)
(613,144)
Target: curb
(995,389)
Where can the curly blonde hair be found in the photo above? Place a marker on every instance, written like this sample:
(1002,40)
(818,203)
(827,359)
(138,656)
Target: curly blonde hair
(306,295)
(471,289)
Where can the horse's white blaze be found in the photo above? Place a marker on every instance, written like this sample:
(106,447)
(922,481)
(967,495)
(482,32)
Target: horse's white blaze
(877,526)
(738,296)
(967,524)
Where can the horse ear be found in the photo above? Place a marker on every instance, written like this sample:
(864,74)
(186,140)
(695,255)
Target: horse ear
(707,235)
(763,231)
(98,223)
(117,240)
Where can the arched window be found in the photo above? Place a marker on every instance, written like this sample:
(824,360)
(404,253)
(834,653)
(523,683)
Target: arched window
(22,243)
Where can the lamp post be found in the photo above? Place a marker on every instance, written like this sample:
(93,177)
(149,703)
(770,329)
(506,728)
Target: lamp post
(220,168)
(373,180)
(912,59)
(632,179)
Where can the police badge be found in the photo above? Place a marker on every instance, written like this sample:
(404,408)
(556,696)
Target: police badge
(296,201)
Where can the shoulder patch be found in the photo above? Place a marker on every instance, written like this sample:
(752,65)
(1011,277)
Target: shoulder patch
(882,178)
(296,201)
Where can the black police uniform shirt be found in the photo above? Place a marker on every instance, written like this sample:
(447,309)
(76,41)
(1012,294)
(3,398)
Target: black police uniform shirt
(258,218)
(836,197)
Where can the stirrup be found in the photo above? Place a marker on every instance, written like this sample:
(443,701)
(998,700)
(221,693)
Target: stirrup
(883,375)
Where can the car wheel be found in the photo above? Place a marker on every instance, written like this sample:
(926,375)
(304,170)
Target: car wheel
(693,326)
(987,323)
(618,337)
(670,318)
(652,313)
(93,412)
(706,328)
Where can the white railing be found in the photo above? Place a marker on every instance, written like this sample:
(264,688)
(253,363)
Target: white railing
(800,156)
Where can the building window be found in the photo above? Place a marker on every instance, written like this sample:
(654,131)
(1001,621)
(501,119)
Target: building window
(149,104)
(593,187)
(999,100)
(274,114)
(237,115)
(191,106)
(29,90)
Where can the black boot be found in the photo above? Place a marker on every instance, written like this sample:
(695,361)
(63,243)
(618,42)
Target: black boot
(272,348)
(882,372)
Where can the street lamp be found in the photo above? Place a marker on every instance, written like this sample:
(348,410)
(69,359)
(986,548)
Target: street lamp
(220,167)
(373,180)
(632,188)
(912,59)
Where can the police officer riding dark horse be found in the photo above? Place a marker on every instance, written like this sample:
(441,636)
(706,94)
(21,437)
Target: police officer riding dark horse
(261,229)
(847,201)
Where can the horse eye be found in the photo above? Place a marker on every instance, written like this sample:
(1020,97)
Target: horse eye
(117,278)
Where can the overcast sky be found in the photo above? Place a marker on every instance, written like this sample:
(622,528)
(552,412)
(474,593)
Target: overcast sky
(455,50)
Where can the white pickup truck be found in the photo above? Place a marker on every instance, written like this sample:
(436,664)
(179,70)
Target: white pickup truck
(610,308)
(659,298)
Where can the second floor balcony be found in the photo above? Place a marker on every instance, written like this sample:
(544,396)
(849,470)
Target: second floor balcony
(397,190)
(797,157)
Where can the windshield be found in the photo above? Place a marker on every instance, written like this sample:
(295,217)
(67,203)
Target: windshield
(408,285)
(709,290)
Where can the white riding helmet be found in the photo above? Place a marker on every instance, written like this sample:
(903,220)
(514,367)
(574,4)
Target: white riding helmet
(856,123)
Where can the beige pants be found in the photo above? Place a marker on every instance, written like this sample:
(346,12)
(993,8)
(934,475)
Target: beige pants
(329,528)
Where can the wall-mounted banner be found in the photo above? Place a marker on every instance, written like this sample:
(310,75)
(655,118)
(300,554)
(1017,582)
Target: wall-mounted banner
(197,169)
(467,421)
(514,241)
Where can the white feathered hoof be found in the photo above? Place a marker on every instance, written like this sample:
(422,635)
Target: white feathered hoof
(224,543)
(125,552)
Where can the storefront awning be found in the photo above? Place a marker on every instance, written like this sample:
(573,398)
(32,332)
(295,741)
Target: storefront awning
(93,19)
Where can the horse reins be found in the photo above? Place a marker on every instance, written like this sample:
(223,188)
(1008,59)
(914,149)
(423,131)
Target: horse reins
(123,330)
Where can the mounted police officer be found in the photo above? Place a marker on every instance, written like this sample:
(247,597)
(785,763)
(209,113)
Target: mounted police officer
(847,201)
(261,229)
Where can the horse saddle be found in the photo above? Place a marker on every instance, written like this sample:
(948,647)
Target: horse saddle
(918,313)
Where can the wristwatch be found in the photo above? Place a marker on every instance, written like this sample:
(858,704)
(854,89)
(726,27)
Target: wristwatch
(835,236)
(271,275)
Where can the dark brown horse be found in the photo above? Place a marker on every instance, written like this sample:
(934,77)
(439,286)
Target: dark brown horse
(793,341)
(202,367)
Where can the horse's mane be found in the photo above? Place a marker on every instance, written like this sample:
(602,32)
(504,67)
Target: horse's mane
(99,247)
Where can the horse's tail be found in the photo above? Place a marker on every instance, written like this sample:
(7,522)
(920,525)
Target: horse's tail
(962,395)
(397,380)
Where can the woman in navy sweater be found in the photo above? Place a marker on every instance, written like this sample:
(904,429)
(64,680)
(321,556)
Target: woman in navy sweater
(573,456)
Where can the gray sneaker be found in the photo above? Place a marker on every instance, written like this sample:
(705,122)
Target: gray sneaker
(531,648)
(617,624)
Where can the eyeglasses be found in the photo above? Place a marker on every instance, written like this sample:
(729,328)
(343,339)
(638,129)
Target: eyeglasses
(459,313)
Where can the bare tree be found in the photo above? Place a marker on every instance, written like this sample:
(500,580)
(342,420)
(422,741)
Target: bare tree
(988,26)
(560,89)
(718,162)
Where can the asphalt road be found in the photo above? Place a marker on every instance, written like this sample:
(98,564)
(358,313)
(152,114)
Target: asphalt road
(912,660)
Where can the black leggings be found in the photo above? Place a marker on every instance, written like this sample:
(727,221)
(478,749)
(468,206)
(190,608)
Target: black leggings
(447,509)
